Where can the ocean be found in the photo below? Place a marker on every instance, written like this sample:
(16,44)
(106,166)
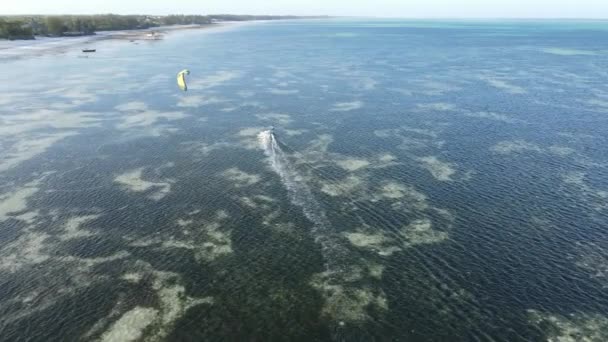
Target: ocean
(320,180)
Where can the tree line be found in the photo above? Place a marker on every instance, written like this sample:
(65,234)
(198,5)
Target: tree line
(27,27)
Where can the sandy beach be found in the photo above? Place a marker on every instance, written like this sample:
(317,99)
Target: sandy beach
(43,45)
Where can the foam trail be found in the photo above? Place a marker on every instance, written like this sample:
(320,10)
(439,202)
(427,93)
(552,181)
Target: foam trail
(301,195)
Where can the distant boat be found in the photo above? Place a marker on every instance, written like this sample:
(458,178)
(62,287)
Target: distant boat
(154,36)
(89,50)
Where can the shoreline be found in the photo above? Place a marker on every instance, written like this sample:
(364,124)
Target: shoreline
(142,34)
(16,49)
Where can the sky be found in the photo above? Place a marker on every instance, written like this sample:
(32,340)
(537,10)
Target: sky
(365,8)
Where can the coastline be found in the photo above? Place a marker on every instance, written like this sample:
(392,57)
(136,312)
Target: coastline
(14,49)
(142,34)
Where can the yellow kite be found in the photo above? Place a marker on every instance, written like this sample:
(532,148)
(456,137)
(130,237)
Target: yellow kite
(181,79)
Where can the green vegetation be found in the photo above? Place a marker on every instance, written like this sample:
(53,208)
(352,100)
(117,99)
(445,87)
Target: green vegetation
(26,27)
(15,29)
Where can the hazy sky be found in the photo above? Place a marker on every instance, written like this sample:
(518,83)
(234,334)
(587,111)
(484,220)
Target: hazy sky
(382,8)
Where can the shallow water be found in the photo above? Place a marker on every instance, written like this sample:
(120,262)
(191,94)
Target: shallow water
(426,180)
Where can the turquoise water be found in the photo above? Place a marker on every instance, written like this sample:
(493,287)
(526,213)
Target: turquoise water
(425,181)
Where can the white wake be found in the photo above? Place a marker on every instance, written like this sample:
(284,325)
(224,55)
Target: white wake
(301,196)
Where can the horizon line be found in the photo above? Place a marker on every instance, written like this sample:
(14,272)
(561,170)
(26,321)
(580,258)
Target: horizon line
(321,16)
